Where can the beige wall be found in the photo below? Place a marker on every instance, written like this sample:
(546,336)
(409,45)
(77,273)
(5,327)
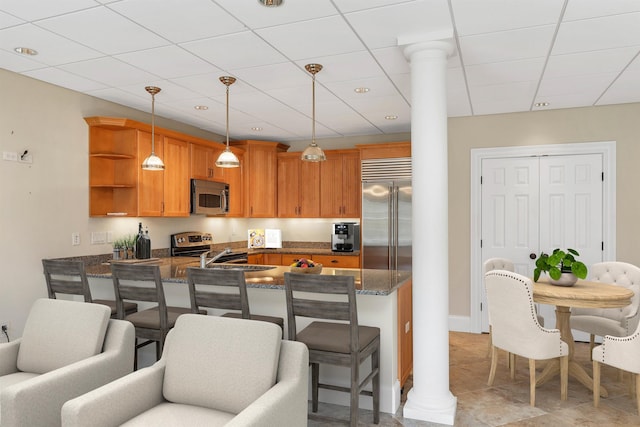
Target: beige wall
(618,123)
(43,203)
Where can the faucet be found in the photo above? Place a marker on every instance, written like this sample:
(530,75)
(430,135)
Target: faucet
(203,257)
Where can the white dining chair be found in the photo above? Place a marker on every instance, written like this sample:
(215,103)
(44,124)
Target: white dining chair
(617,322)
(515,328)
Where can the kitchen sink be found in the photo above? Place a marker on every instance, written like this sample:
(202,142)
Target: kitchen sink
(241,267)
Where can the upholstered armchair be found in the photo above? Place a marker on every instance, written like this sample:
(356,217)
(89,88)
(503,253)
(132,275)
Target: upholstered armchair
(618,322)
(213,371)
(67,349)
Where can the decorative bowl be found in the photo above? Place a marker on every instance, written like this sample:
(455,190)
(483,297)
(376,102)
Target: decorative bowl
(316,269)
(566,279)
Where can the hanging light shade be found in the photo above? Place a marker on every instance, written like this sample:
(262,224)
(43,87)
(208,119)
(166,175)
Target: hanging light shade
(153,162)
(313,153)
(227,159)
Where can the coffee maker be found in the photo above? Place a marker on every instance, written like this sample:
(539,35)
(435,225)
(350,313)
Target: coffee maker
(345,237)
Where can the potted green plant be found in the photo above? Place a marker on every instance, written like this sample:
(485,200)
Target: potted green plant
(562,267)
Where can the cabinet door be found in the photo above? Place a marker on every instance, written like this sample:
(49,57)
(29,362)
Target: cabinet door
(234,177)
(340,187)
(309,189)
(351,185)
(272,259)
(150,183)
(343,261)
(176,178)
(288,259)
(203,160)
(262,178)
(288,186)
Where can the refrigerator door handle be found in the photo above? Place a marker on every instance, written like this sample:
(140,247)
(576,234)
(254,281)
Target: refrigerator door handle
(394,224)
(390,230)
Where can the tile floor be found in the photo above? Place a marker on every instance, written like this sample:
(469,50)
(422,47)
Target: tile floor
(506,403)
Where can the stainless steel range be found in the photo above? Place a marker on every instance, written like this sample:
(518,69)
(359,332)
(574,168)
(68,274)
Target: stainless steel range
(195,243)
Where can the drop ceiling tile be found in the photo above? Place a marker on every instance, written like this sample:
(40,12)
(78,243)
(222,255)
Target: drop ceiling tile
(507,45)
(626,88)
(110,71)
(392,60)
(168,62)
(583,9)
(592,85)
(167,18)
(248,51)
(7,20)
(502,98)
(593,62)
(123,98)
(17,63)
(299,97)
(103,30)
(403,83)
(254,15)
(31,10)
(598,33)
(312,39)
(479,17)
(348,66)
(382,26)
(505,72)
(170,92)
(274,76)
(63,78)
(52,49)
(378,87)
(346,6)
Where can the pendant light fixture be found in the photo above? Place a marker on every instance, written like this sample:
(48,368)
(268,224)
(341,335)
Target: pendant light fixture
(153,162)
(313,153)
(227,159)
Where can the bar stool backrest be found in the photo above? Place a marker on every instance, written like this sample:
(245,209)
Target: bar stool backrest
(203,283)
(139,283)
(66,277)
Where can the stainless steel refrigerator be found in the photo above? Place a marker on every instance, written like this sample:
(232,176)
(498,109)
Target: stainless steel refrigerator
(386,214)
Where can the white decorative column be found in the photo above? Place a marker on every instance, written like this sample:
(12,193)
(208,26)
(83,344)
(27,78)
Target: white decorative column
(430,398)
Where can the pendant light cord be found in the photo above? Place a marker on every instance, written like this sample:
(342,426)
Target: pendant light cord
(227,117)
(153,124)
(313,109)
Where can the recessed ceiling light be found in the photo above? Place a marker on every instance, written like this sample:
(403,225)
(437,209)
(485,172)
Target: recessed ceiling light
(201,107)
(361,90)
(256,128)
(541,104)
(270,3)
(391,117)
(26,51)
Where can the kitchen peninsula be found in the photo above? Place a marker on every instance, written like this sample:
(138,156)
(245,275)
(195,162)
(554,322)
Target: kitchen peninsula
(377,301)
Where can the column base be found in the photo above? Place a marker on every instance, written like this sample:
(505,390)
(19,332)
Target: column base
(442,411)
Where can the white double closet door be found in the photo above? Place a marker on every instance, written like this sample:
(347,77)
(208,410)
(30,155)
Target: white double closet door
(536,204)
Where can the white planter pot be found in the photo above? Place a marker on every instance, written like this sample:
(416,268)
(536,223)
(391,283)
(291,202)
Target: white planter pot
(566,279)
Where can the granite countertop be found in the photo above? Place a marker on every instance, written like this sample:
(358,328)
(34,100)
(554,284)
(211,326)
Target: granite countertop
(368,281)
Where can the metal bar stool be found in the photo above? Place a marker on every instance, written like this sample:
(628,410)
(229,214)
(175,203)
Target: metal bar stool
(69,277)
(203,282)
(343,344)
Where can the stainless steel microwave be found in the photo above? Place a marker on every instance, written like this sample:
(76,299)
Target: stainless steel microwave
(209,197)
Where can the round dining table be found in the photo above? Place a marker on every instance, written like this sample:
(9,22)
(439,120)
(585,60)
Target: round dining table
(583,294)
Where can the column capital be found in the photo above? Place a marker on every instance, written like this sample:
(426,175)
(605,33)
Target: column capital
(432,44)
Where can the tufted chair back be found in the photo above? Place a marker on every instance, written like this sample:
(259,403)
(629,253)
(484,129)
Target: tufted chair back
(620,274)
(498,264)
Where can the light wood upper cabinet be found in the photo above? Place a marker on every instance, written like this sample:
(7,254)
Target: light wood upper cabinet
(177,190)
(164,193)
(384,151)
(117,184)
(203,159)
(340,185)
(260,176)
(298,187)
(235,178)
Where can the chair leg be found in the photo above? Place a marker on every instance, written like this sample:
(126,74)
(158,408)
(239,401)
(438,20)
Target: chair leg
(315,373)
(596,383)
(494,363)
(355,393)
(512,365)
(375,385)
(532,382)
(158,350)
(592,344)
(564,377)
(490,344)
(637,377)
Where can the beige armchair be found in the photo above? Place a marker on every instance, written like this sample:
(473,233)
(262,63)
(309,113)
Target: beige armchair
(213,371)
(618,322)
(67,349)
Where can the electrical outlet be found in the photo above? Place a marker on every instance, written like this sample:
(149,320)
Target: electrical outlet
(75,238)
(98,237)
(109,236)
(10,156)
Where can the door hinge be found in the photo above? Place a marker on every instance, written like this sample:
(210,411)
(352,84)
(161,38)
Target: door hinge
(480,306)
(480,242)
(602,176)
(602,245)
(480,179)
